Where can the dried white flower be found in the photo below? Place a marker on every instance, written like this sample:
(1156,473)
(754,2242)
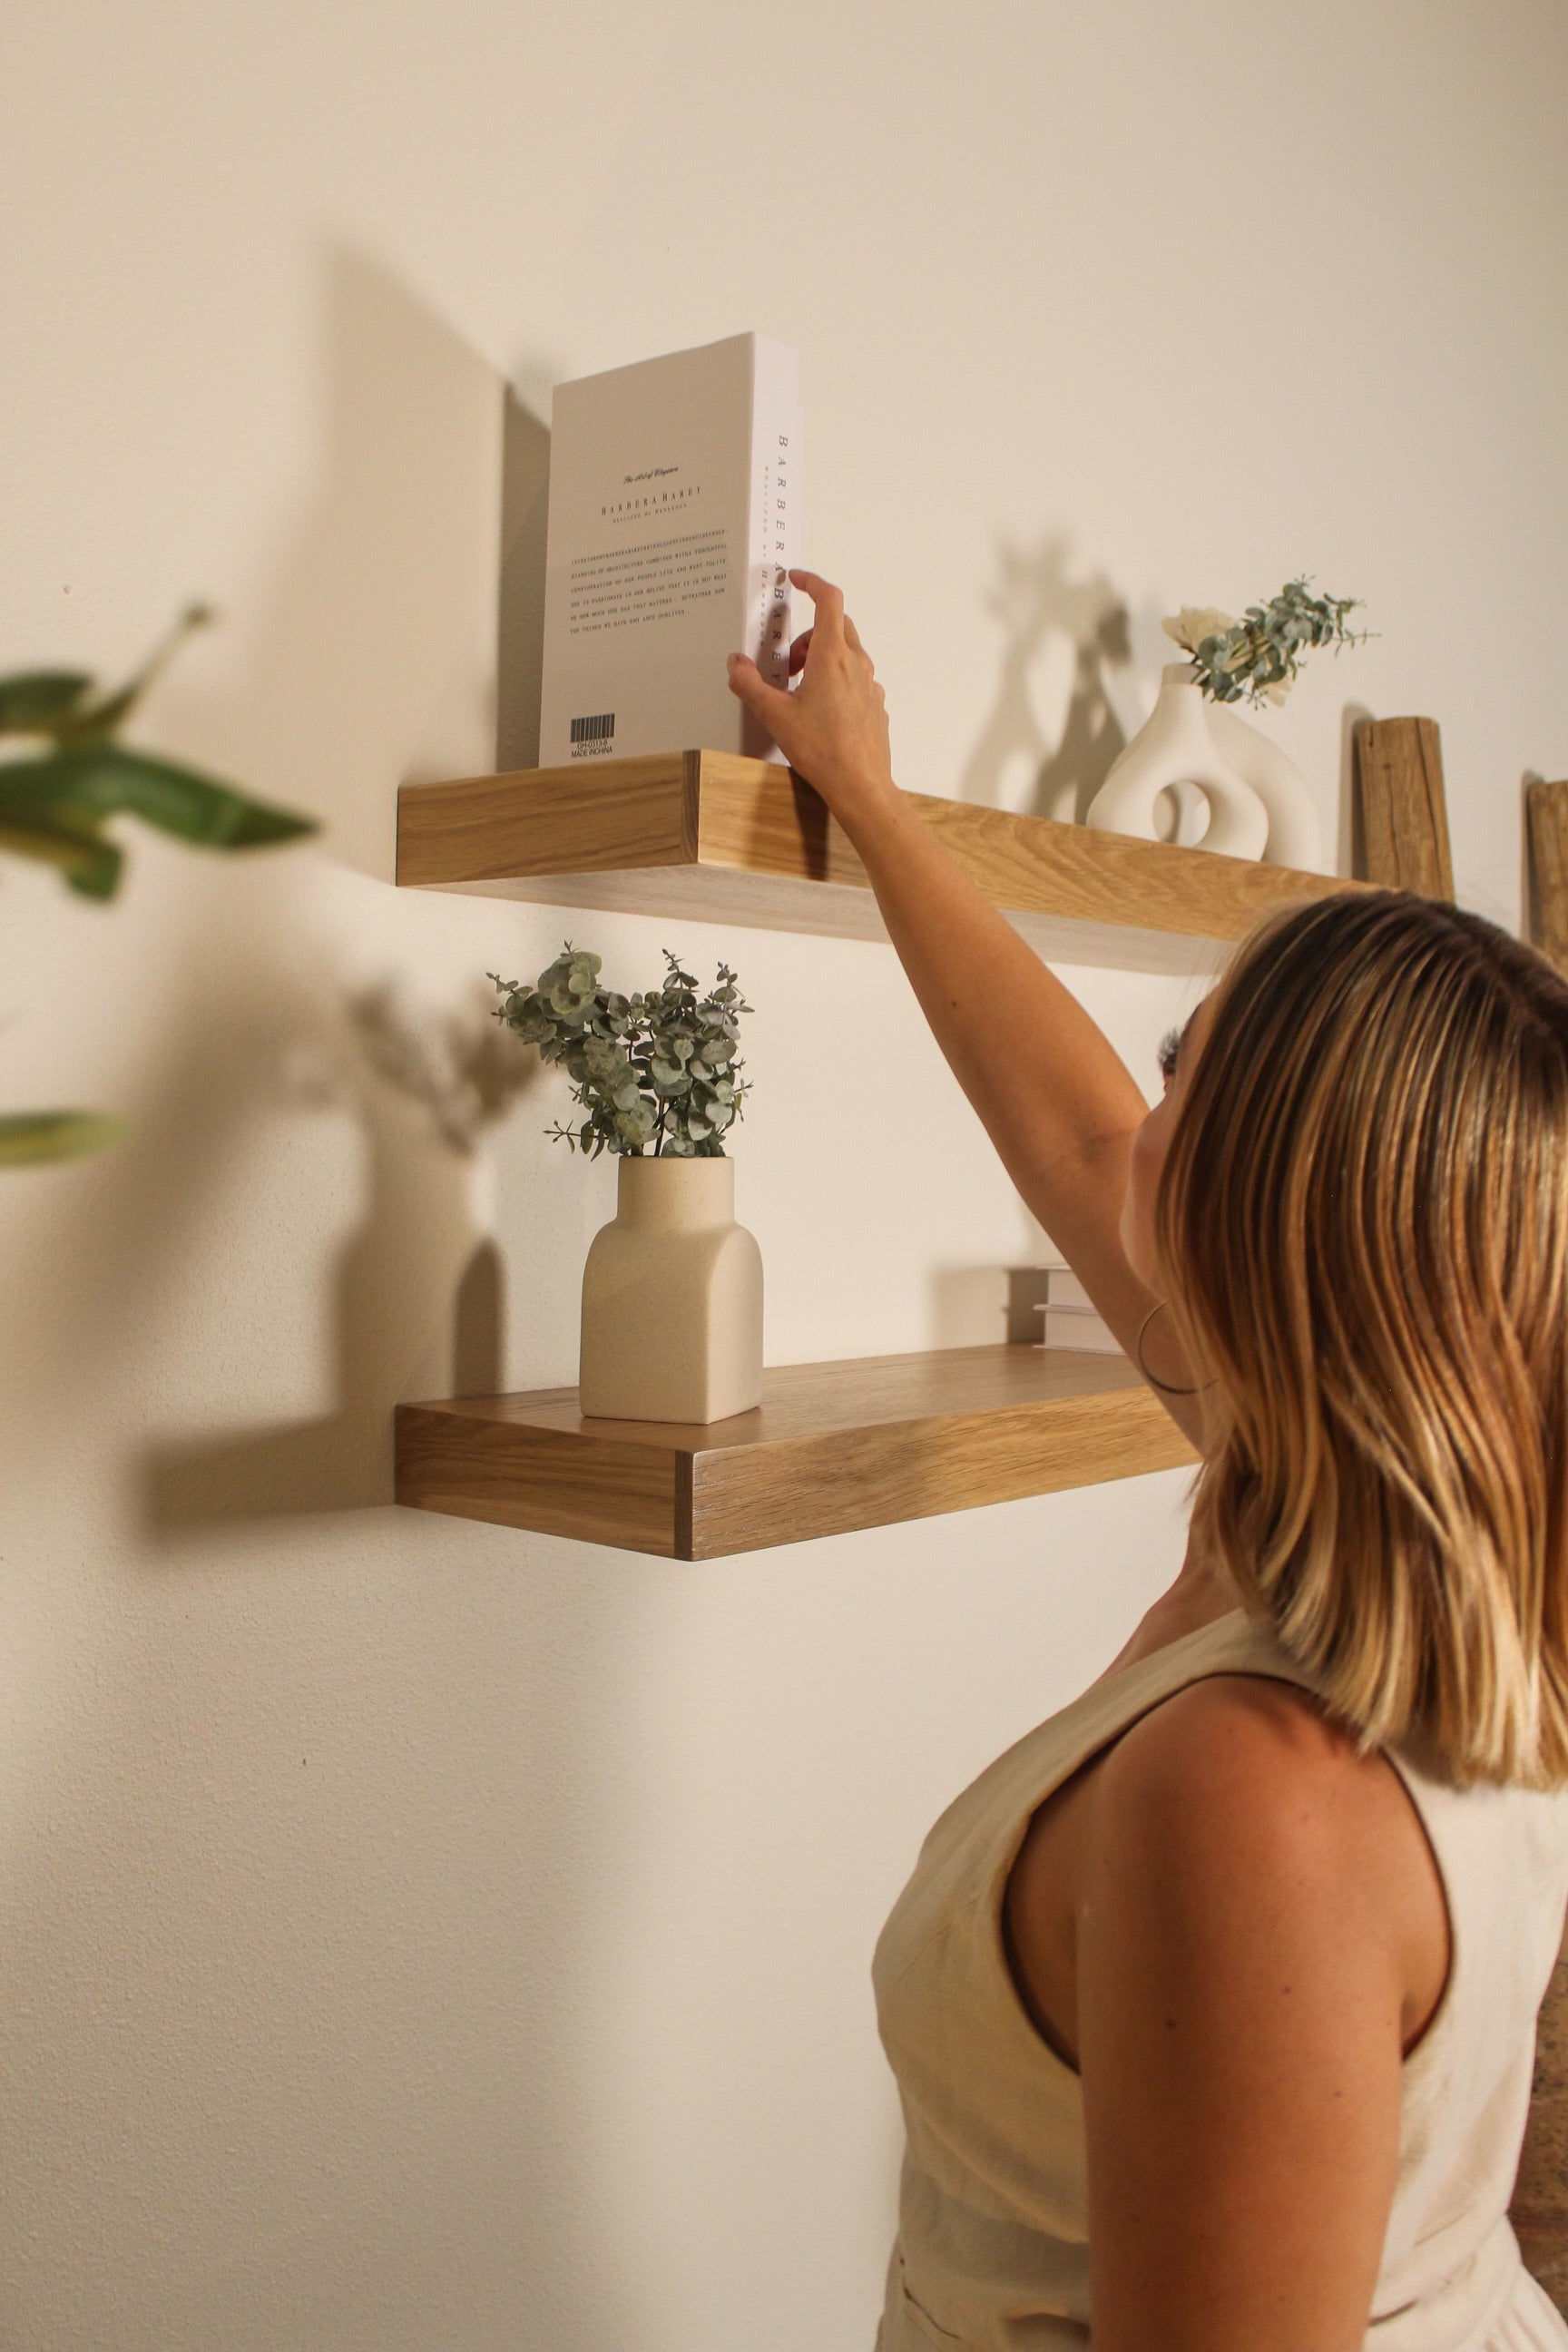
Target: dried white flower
(1193,622)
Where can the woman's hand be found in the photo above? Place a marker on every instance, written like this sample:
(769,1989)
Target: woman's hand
(833,729)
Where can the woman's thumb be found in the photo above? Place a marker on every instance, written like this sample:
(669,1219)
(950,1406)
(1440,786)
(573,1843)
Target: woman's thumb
(750,687)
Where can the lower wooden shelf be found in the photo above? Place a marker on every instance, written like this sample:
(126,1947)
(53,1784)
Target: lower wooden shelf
(832,1447)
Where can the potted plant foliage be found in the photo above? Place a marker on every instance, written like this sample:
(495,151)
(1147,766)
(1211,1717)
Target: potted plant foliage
(672,1288)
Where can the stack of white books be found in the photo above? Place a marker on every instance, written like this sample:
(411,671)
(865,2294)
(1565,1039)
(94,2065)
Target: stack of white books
(675,512)
(1069,1318)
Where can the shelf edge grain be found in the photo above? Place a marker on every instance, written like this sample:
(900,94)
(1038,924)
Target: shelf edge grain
(840,1482)
(546,1481)
(725,839)
(832,1449)
(548,821)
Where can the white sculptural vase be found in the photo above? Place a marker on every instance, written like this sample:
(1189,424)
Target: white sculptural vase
(1174,746)
(1295,836)
(672,1298)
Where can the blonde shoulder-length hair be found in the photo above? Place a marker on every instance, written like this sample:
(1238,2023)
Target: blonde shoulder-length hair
(1361,1232)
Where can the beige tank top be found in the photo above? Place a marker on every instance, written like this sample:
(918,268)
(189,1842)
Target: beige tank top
(992,2253)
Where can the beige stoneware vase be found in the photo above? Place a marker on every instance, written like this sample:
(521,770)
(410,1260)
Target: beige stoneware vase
(672,1298)
(1172,747)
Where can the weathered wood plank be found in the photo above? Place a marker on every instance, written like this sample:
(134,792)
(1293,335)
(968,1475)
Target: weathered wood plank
(1546,818)
(1398,778)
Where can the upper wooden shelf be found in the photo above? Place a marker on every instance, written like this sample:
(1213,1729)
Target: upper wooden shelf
(716,838)
(832,1447)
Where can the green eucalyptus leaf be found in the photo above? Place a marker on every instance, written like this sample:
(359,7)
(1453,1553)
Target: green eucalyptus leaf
(656,1069)
(1260,654)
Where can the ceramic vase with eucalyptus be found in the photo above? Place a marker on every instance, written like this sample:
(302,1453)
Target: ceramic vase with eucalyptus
(1295,836)
(672,1298)
(1174,747)
(1259,805)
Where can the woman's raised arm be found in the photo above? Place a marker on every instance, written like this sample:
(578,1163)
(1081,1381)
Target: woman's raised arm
(1054,1098)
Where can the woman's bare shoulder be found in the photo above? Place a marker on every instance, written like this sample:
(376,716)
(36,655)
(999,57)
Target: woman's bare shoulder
(1255,1807)
(1254,1756)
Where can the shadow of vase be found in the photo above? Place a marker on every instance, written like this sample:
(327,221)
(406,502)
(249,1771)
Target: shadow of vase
(418,1291)
(1020,761)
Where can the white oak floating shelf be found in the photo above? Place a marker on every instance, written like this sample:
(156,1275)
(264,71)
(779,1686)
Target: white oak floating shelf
(831,1448)
(713,838)
(718,839)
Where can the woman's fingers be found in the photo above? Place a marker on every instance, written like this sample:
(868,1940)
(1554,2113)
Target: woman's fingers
(832,620)
(765,702)
(828,599)
(832,728)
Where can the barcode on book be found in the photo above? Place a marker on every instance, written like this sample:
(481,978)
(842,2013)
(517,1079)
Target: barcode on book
(597,729)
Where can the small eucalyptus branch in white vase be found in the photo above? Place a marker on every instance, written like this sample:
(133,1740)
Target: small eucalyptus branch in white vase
(672,1288)
(659,1071)
(1257,657)
(1259,802)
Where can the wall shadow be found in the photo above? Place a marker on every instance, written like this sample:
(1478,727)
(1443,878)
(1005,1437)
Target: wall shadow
(1530,924)
(372,633)
(1350,843)
(520,604)
(1065,636)
(455,2114)
(967,1306)
(371,660)
(416,1283)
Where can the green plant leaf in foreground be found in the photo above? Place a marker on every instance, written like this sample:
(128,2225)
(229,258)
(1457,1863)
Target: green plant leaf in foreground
(73,791)
(37,701)
(89,862)
(55,801)
(33,1136)
(60,703)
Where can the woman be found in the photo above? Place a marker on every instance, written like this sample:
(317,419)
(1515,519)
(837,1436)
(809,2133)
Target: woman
(1212,2002)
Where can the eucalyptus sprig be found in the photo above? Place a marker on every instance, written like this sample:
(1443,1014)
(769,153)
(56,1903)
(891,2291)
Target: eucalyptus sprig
(658,1073)
(1257,656)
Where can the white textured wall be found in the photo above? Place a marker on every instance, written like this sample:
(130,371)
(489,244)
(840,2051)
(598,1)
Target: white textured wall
(413,1933)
